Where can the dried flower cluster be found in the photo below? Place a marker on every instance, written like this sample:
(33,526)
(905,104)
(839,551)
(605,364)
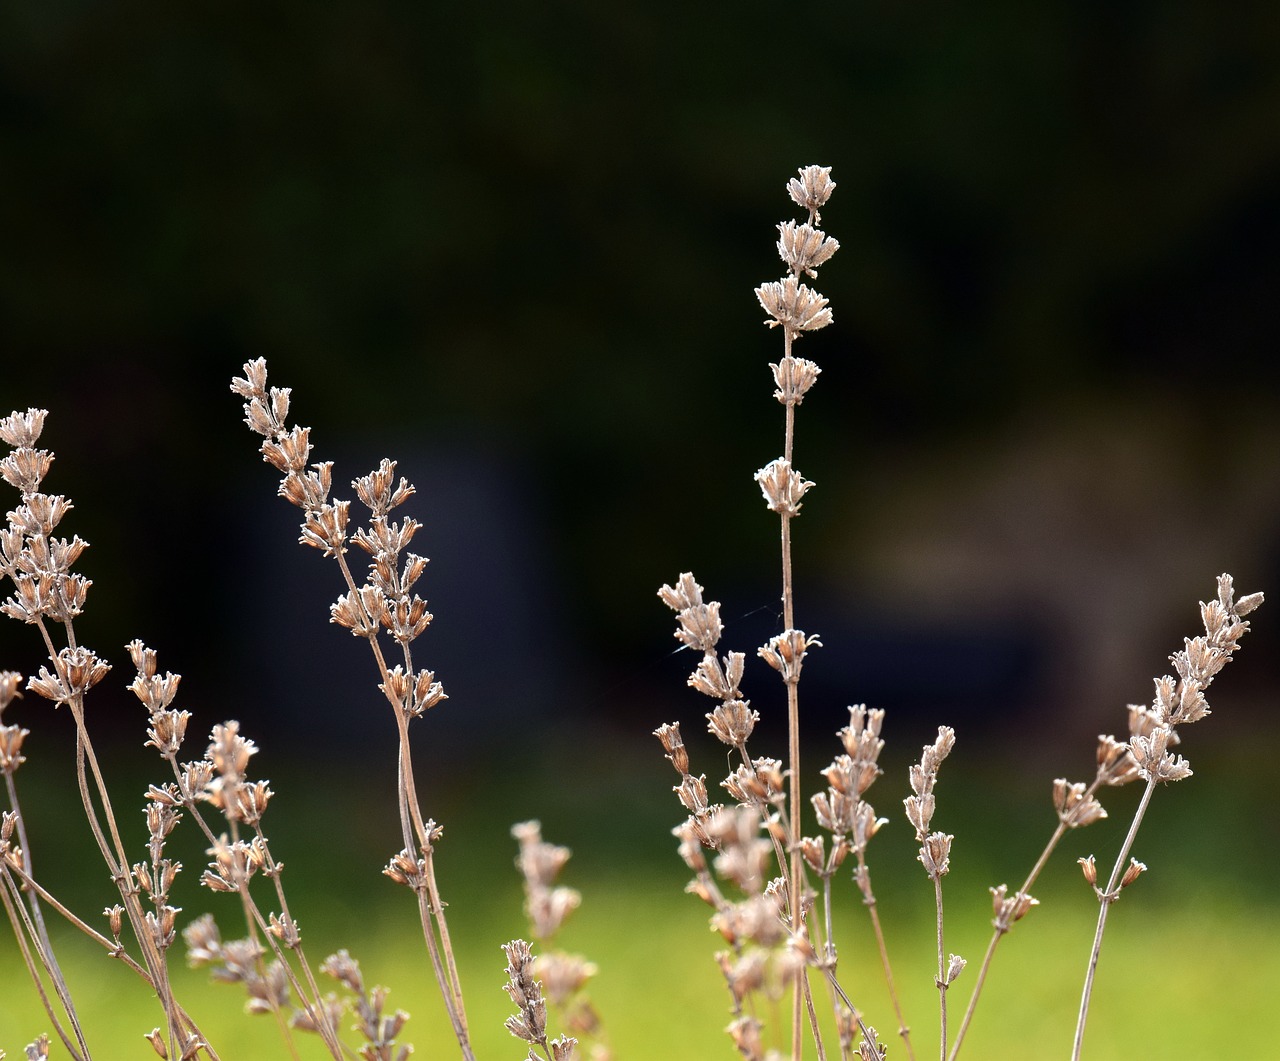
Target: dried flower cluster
(562,976)
(770,886)
(384,604)
(762,835)
(773,935)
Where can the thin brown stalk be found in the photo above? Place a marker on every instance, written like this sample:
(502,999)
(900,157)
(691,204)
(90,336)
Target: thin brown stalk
(113,948)
(863,877)
(24,929)
(430,905)
(942,970)
(1105,899)
(1002,930)
(41,934)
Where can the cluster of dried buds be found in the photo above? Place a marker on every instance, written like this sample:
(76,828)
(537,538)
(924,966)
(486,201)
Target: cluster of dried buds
(1153,733)
(842,810)
(935,846)
(38,564)
(562,976)
(238,962)
(385,601)
(378,1028)
(529,1022)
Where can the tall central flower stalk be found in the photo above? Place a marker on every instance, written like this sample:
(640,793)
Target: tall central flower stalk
(795,308)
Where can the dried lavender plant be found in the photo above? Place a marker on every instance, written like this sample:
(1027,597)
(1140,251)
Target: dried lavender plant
(530,1022)
(1178,701)
(760,784)
(383,602)
(547,905)
(935,856)
(49,595)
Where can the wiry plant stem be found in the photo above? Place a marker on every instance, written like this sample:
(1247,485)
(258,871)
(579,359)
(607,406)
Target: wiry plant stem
(1105,899)
(942,971)
(793,737)
(23,929)
(1001,931)
(40,936)
(863,878)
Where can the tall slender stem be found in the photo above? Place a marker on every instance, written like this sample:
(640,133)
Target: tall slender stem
(1106,898)
(942,969)
(1000,931)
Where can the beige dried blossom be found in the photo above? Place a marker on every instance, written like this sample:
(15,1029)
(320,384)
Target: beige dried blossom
(812,189)
(677,754)
(1009,908)
(1155,761)
(793,306)
(785,653)
(530,1020)
(782,487)
(721,682)
(1132,873)
(699,622)
(794,377)
(732,722)
(923,777)
(1075,805)
(935,854)
(804,248)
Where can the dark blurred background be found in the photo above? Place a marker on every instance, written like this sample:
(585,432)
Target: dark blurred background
(514,247)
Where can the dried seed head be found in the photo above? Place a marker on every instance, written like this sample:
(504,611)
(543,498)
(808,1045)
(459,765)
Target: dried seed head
(10,688)
(919,813)
(1010,908)
(732,722)
(785,653)
(794,306)
(1075,807)
(1132,873)
(1089,867)
(1115,762)
(539,862)
(167,731)
(378,491)
(812,190)
(405,869)
(813,851)
(11,757)
(156,1039)
(804,248)
(113,915)
(530,1022)
(672,743)
(22,430)
(719,681)
(699,622)
(746,1035)
(782,487)
(285,929)
(1154,759)
(935,854)
(228,751)
(77,671)
(692,792)
(794,378)
(955,967)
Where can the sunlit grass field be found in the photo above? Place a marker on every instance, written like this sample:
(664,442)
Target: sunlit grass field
(1190,967)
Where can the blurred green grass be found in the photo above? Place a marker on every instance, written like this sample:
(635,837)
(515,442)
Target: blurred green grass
(1190,964)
